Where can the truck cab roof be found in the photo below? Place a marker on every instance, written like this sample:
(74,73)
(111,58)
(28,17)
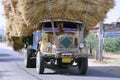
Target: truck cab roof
(63,21)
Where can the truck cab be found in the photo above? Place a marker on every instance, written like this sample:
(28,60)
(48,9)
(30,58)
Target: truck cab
(62,45)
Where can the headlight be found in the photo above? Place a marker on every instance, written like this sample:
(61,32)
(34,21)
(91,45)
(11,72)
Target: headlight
(49,45)
(81,45)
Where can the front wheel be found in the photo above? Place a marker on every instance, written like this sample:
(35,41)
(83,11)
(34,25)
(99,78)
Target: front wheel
(40,63)
(82,65)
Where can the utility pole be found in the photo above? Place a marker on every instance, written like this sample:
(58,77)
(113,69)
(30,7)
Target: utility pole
(100,46)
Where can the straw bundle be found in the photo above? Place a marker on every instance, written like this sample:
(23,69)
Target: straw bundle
(38,10)
(23,15)
(15,27)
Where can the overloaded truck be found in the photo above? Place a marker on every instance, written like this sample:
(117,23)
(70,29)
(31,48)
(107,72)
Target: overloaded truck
(58,43)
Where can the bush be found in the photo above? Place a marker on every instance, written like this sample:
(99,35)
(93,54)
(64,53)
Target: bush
(112,44)
(2,38)
(92,42)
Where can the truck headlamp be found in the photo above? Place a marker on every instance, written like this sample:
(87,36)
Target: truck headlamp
(49,45)
(81,45)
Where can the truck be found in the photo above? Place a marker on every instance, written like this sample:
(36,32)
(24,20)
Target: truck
(58,43)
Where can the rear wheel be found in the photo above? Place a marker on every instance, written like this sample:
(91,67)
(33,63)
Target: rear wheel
(28,61)
(59,62)
(40,63)
(82,65)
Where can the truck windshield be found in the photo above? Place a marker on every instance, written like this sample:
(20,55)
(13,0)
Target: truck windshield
(66,27)
(56,29)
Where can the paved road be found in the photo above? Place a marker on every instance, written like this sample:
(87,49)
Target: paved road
(12,68)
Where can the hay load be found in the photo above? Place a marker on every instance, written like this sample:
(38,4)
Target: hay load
(35,11)
(23,15)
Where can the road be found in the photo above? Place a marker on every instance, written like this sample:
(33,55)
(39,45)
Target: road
(12,68)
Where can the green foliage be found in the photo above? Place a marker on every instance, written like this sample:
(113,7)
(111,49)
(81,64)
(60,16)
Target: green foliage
(92,41)
(2,38)
(112,44)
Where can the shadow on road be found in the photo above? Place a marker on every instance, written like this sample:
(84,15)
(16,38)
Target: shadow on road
(9,55)
(4,55)
(93,71)
(104,71)
(11,59)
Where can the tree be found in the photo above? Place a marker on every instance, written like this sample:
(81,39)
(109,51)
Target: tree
(2,38)
(112,44)
(92,42)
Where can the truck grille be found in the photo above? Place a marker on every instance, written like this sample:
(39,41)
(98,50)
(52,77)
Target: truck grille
(66,41)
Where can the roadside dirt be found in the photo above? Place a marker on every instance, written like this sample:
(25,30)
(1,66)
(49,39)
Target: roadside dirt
(110,64)
(112,59)
(108,60)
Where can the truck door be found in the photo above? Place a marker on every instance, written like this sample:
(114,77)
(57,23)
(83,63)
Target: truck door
(36,38)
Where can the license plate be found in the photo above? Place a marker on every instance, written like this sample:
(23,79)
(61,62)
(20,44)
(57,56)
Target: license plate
(66,60)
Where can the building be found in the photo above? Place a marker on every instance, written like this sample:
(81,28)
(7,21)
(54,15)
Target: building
(112,30)
(109,30)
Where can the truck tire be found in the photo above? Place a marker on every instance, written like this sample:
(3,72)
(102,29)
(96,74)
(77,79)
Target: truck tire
(59,62)
(40,63)
(29,63)
(82,65)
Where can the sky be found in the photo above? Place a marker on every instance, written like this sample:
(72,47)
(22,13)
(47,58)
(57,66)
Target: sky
(112,15)
(2,18)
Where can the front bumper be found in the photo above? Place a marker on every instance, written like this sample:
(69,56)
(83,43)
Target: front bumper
(60,55)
